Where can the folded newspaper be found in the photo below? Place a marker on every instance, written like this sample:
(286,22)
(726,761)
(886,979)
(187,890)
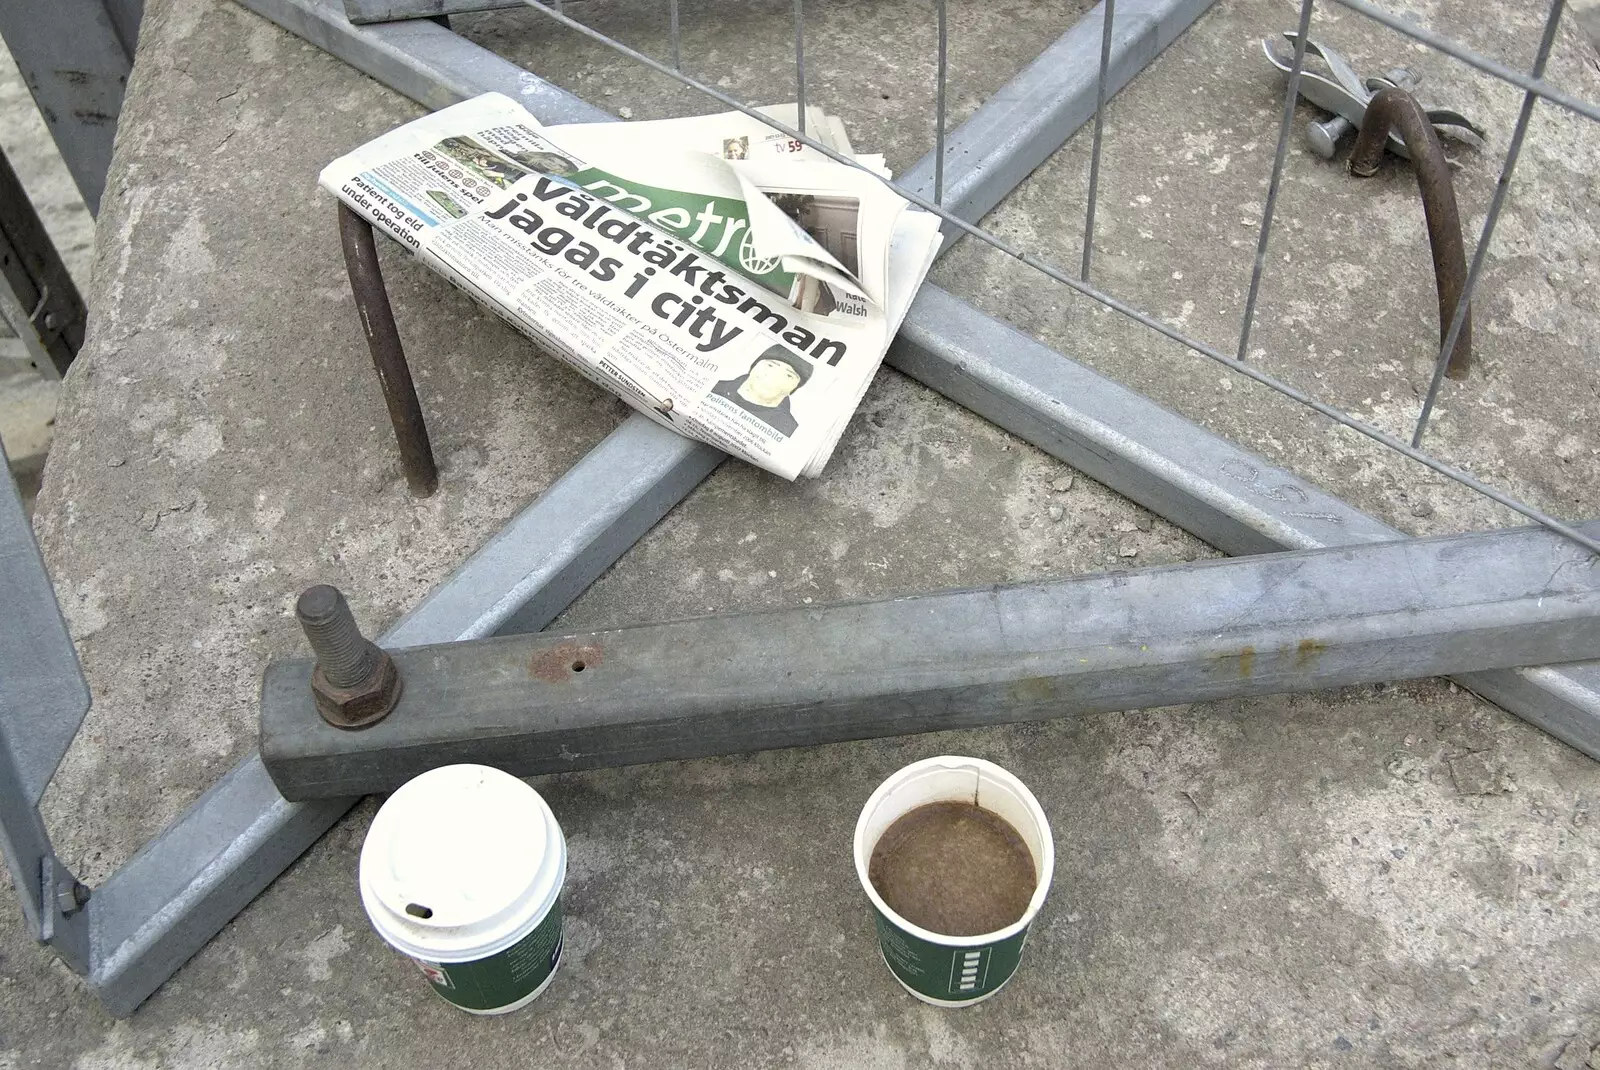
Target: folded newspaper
(724,279)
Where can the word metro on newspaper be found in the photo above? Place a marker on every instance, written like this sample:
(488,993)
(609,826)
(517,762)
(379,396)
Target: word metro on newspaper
(724,279)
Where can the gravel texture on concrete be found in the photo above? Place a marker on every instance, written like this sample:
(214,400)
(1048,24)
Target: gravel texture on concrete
(1395,875)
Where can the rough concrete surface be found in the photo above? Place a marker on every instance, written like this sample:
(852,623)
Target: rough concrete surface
(1396,875)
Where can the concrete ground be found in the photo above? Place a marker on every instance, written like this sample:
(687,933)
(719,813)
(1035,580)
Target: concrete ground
(1397,875)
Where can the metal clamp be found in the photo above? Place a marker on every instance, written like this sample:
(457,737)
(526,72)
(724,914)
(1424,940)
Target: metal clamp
(1324,137)
(1347,96)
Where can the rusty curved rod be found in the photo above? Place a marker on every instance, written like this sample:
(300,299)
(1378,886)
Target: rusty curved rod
(388,356)
(1398,109)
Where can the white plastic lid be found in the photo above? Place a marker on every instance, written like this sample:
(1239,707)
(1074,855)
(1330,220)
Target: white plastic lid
(460,863)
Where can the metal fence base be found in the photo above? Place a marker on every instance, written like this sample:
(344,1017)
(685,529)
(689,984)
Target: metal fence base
(170,899)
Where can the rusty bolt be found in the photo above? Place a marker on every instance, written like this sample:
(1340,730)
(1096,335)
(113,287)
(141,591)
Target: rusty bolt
(355,683)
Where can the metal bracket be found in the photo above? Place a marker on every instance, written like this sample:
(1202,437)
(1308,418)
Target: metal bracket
(1347,96)
(738,682)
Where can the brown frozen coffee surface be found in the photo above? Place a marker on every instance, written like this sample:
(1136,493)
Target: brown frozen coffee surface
(953,868)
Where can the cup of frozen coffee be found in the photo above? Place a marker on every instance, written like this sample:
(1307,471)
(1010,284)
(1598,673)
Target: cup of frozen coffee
(956,857)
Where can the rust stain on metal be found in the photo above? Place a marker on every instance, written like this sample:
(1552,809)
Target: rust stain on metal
(1307,653)
(1033,689)
(559,663)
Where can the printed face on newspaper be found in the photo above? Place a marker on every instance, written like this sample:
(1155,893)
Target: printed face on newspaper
(745,302)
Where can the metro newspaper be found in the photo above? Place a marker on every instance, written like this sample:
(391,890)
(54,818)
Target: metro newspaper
(727,281)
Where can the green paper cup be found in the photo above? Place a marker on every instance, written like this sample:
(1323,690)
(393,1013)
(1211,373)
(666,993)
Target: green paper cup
(462,872)
(953,971)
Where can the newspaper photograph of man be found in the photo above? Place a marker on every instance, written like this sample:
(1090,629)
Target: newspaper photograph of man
(481,160)
(765,389)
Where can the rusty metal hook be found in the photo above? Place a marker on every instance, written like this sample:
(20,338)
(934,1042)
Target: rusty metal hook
(388,356)
(1395,108)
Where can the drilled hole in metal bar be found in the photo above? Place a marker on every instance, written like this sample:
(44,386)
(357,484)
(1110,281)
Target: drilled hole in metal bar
(579,666)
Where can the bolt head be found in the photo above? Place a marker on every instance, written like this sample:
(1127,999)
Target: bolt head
(1321,140)
(71,897)
(358,707)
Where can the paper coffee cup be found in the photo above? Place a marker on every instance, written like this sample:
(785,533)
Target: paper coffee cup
(953,971)
(462,872)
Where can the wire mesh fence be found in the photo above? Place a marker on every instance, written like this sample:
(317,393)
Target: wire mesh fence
(1235,356)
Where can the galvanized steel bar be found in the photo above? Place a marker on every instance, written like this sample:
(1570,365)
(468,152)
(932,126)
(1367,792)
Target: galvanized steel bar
(75,56)
(361,12)
(533,567)
(423,60)
(174,895)
(1233,499)
(1049,270)
(1019,127)
(43,699)
(740,682)
(166,903)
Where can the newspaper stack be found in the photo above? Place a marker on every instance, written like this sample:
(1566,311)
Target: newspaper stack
(724,279)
